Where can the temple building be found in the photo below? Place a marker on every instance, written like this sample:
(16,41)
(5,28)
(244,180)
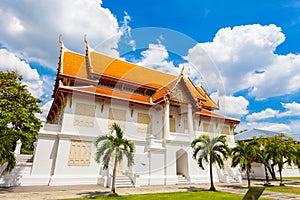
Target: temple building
(159,112)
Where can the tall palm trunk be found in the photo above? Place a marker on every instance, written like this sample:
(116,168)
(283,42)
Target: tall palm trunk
(212,187)
(280,174)
(113,186)
(273,174)
(248,176)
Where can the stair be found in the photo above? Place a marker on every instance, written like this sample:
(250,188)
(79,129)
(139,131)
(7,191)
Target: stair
(232,180)
(24,158)
(181,180)
(123,181)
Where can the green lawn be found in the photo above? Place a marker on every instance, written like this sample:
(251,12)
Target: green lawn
(284,189)
(199,195)
(291,178)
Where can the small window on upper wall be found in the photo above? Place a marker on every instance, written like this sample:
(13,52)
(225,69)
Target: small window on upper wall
(144,123)
(117,116)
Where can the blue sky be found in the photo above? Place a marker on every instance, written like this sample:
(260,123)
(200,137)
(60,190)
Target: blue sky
(245,53)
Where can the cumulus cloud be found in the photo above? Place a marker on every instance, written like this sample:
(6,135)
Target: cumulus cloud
(155,57)
(231,105)
(265,114)
(243,57)
(276,127)
(45,109)
(291,109)
(10,62)
(295,126)
(33,27)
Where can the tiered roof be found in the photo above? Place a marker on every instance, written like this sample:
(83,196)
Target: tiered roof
(108,78)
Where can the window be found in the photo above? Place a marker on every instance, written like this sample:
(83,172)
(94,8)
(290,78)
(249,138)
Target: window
(144,123)
(225,130)
(186,127)
(207,128)
(84,115)
(80,153)
(172,125)
(117,116)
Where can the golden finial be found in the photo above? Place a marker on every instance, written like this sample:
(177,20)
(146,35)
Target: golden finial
(85,40)
(181,73)
(60,40)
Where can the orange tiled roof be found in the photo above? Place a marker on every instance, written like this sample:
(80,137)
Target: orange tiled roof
(208,101)
(163,91)
(74,64)
(171,85)
(110,93)
(211,114)
(119,69)
(193,89)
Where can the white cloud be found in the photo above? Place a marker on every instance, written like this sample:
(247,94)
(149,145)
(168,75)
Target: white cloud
(45,109)
(292,109)
(276,127)
(155,57)
(295,126)
(32,27)
(243,57)
(9,61)
(267,113)
(231,105)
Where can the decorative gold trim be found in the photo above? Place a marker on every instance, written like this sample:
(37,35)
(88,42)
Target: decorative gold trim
(102,106)
(71,100)
(233,126)
(132,109)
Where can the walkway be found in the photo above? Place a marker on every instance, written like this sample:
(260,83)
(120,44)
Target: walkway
(61,192)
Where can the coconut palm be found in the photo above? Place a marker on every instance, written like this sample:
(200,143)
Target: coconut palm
(281,149)
(245,153)
(210,150)
(114,145)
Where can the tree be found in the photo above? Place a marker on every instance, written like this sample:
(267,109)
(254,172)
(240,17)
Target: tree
(235,133)
(114,145)
(17,117)
(245,153)
(297,160)
(280,149)
(210,150)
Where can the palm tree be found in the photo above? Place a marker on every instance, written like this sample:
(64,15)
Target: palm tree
(281,149)
(245,153)
(210,150)
(7,156)
(297,154)
(114,145)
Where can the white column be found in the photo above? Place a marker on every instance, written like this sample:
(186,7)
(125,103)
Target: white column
(190,121)
(167,120)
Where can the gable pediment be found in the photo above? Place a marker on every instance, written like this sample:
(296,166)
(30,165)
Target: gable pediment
(179,94)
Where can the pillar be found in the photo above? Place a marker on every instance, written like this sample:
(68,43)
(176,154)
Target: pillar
(190,121)
(167,120)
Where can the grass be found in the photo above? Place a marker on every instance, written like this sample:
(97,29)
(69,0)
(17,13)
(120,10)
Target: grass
(284,189)
(198,195)
(291,178)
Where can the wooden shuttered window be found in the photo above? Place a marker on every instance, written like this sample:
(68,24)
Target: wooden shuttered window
(80,153)
(144,123)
